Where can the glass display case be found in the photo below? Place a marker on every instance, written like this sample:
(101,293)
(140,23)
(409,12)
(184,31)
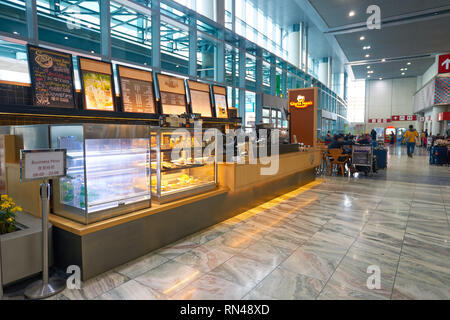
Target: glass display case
(181,164)
(108,170)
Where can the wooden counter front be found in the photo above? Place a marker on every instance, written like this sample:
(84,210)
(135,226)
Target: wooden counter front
(237,177)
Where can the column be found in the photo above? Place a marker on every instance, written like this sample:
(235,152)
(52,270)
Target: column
(294,48)
(32,25)
(156,35)
(323,71)
(436,126)
(306,39)
(105,30)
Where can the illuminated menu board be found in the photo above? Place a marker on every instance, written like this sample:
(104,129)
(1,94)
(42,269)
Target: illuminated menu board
(51,74)
(97,82)
(220,101)
(200,98)
(173,95)
(136,88)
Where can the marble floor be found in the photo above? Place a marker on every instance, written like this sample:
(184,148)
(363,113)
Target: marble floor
(316,242)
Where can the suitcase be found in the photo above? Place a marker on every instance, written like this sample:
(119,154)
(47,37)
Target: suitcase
(381,155)
(440,155)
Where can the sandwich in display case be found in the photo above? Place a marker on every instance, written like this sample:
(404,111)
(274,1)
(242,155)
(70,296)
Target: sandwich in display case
(108,170)
(179,164)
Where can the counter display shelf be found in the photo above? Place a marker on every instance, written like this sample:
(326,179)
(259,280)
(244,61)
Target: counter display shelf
(177,171)
(107,171)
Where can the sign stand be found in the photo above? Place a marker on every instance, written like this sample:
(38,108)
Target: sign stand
(46,287)
(36,165)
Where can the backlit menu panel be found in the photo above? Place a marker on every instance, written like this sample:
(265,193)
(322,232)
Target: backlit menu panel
(220,100)
(51,74)
(173,95)
(136,88)
(98,90)
(200,98)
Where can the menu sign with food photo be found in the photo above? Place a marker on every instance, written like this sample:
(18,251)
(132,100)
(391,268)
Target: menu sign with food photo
(220,99)
(136,88)
(173,95)
(98,89)
(51,75)
(200,98)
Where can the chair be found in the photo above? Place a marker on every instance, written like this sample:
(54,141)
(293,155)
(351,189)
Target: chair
(333,156)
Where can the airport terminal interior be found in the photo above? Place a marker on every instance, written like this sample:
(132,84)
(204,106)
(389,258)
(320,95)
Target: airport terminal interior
(224,150)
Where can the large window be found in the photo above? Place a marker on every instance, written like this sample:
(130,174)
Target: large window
(131,35)
(70,23)
(13,62)
(174,46)
(231,66)
(206,58)
(13,17)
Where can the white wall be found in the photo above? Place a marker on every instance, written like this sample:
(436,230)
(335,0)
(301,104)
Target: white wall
(385,98)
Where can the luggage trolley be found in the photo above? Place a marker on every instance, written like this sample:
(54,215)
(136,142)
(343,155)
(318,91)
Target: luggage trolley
(362,156)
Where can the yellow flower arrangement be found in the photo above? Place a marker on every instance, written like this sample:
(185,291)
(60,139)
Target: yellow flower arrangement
(8,211)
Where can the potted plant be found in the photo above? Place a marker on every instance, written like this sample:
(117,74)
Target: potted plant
(8,211)
(20,241)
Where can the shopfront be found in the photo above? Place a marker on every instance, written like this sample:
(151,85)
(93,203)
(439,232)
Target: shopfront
(146,166)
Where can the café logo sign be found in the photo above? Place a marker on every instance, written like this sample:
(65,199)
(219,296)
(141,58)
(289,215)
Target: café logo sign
(301,103)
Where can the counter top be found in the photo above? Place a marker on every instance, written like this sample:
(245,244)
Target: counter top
(82,229)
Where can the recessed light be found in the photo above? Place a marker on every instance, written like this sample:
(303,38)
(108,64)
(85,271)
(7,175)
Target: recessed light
(368,76)
(177,66)
(362,38)
(366,47)
(66,37)
(380,78)
(92,51)
(367,55)
(409,63)
(383,60)
(403,73)
(15,32)
(368,67)
(351,13)
(370,71)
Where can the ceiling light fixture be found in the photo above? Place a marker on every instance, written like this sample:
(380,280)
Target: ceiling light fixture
(368,76)
(368,67)
(362,38)
(351,13)
(383,60)
(366,47)
(367,55)
(66,37)
(403,73)
(380,78)
(409,63)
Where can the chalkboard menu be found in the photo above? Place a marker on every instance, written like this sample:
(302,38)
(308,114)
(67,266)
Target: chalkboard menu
(136,87)
(173,94)
(200,98)
(220,101)
(51,75)
(97,82)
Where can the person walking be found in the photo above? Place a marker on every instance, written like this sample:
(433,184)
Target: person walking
(410,137)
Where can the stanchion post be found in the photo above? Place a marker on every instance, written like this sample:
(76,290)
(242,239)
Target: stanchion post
(46,287)
(1,278)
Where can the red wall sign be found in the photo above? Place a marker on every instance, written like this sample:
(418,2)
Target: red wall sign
(444,116)
(405,118)
(444,63)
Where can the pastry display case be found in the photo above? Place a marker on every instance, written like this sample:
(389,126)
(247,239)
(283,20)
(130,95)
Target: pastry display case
(108,170)
(181,164)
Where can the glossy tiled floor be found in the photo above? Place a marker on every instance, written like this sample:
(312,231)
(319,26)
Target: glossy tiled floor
(316,242)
